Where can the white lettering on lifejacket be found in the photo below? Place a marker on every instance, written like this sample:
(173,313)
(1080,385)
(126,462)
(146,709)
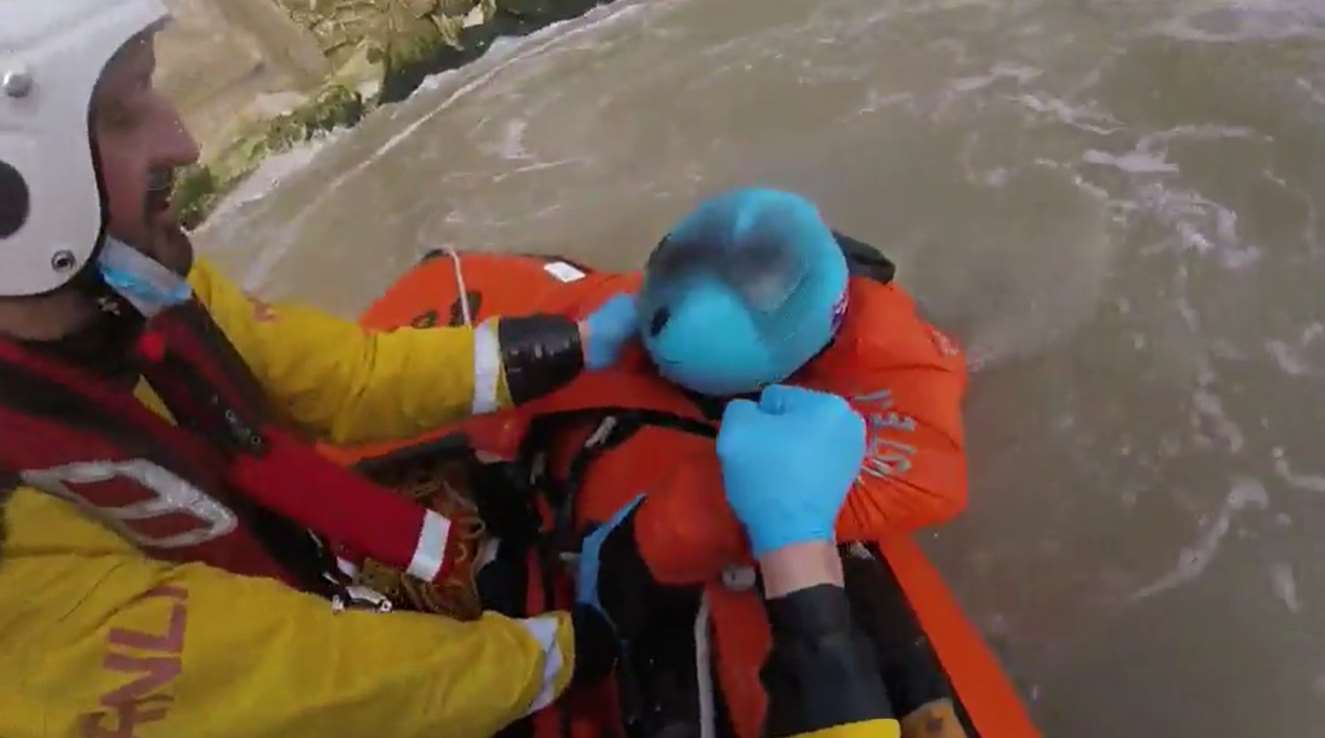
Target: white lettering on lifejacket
(946,346)
(893,420)
(883,397)
(171,495)
(886,457)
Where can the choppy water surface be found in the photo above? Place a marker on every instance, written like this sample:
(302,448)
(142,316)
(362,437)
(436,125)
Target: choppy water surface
(1117,205)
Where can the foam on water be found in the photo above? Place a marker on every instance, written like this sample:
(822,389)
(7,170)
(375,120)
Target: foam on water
(1194,559)
(1312,91)
(1285,585)
(1201,224)
(1247,20)
(1287,357)
(1133,162)
(1306,482)
(1210,411)
(1020,73)
(1084,117)
(874,101)
(271,173)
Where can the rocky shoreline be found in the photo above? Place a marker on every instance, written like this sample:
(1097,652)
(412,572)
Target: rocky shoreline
(313,66)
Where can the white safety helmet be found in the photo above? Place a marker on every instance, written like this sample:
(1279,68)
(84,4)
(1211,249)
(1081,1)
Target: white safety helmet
(52,53)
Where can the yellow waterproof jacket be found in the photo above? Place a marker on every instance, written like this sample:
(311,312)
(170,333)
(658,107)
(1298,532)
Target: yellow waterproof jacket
(98,640)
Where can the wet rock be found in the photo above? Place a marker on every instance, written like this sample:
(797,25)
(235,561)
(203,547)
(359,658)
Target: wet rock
(201,187)
(415,38)
(380,51)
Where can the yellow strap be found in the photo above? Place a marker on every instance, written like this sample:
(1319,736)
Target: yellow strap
(867,729)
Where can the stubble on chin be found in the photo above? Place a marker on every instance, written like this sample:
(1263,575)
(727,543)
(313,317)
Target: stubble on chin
(167,243)
(174,249)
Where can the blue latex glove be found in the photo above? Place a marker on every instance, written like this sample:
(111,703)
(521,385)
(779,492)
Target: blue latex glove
(610,328)
(586,583)
(788,462)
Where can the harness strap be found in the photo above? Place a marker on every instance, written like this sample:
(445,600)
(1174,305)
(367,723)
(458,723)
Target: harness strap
(37,387)
(615,426)
(203,380)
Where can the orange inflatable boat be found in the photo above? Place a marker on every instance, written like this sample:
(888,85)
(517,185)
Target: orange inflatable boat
(939,671)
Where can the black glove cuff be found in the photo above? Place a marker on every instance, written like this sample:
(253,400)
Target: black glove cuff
(822,671)
(540,353)
(596,645)
(814,611)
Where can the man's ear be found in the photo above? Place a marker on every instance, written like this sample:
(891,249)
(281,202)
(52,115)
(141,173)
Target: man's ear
(864,260)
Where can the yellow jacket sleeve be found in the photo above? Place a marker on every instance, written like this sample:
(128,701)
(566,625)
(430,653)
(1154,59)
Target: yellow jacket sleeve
(99,641)
(346,385)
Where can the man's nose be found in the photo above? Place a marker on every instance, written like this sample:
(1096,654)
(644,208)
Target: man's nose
(175,146)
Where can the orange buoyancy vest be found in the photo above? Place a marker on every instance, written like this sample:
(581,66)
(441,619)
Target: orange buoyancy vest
(611,435)
(903,375)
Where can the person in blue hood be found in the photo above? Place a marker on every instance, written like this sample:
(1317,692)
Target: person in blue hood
(743,292)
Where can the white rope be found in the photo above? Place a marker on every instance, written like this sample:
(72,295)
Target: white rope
(704,671)
(460,285)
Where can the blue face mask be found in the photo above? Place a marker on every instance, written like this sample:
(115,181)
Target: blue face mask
(144,282)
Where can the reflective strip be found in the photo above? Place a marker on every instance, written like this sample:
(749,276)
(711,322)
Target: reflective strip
(368,597)
(427,561)
(347,567)
(544,630)
(487,368)
(171,495)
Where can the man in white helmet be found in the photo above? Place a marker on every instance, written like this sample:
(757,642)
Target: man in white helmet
(157,576)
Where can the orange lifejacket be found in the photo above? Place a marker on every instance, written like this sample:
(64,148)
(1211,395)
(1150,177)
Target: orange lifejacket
(611,435)
(905,377)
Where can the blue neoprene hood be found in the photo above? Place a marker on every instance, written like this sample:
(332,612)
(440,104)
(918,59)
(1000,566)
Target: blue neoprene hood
(743,292)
